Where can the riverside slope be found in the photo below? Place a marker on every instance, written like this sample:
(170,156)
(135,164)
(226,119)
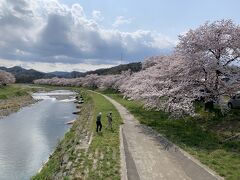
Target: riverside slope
(148,155)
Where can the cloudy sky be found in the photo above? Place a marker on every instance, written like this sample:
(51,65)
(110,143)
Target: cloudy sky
(66,35)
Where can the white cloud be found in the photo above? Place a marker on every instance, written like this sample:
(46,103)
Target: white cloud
(50,67)
(50,32)
(120,20)
(97,16)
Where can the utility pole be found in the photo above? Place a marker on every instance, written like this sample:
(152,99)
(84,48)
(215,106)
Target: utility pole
(121,57)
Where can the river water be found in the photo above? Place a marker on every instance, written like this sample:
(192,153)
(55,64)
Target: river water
(29,136)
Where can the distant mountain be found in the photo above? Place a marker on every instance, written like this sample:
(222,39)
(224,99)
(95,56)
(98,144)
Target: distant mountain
(62,74)
(135,67)
(28,75)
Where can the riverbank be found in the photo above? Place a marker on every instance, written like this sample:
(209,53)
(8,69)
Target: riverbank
(204,138)
(13,98)
(83,153)
(14,104)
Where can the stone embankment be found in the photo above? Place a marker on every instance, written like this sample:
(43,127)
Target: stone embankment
(66,158)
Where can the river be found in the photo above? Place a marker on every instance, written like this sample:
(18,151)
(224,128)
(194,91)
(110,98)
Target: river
(28,137)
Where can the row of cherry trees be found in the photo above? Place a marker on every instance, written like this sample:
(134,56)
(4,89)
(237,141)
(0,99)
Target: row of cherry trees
(203,66)
(89,81)
(6,78)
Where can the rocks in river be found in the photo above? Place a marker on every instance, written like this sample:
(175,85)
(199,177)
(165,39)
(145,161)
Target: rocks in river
(74,149)
(79,99)
(70,122)
(79,102)
(78,106)
(77,112)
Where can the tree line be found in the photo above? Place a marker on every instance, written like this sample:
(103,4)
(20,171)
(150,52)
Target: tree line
(204,66)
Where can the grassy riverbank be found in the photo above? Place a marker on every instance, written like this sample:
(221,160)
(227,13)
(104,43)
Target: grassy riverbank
(13,97)
(14,90)
(83,153)
(203,137)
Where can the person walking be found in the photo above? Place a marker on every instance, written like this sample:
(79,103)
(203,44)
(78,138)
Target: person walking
(98,122)
(109,116)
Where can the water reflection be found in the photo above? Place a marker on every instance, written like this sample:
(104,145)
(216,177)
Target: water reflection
(30,135)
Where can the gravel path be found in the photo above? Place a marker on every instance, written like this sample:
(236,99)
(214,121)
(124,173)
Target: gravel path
(147,155)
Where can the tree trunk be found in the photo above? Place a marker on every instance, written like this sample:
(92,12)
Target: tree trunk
(209,106)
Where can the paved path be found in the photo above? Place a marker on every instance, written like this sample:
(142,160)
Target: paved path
(147,155)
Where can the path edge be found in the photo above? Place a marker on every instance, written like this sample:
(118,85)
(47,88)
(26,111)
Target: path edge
(123,157)
(122,149)
(183,152)
(186,154)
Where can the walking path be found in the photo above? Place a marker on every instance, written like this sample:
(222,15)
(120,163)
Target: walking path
(147,155)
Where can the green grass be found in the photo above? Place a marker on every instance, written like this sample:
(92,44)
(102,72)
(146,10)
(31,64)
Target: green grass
(104,153)
(202,137)
(10,91)
(18,90)
(13,97)
(67,145)
(102,159)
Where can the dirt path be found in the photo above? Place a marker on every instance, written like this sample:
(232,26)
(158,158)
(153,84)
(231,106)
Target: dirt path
(147,155)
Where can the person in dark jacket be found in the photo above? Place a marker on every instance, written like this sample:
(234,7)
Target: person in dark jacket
(98,122)
(109,116)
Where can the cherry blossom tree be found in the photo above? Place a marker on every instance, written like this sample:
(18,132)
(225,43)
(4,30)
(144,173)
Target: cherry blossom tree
(90,81)
(203,66)
(158,86)
(151,61)
(121,79)
(210,52)
(6,78)
(108,81)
